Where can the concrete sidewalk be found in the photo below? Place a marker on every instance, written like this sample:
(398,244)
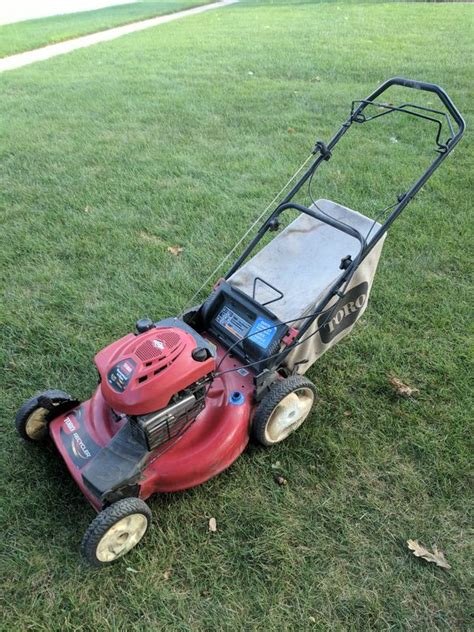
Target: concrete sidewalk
(40,54)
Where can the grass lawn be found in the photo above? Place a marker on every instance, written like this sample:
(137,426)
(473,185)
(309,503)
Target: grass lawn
(179,136)
(22,36)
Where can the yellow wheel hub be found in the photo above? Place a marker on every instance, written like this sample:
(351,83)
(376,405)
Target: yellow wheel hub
(36,426)
(289,414)
(122,537)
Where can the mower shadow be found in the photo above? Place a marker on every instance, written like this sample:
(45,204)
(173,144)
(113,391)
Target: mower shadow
(61,514)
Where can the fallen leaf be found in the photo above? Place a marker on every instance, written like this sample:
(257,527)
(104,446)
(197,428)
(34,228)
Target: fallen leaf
(393,139)
(281,480)
(291,130)
(437,556)
(132,570)
(250,73)
(317,79)
(402,389)
(312,619)
(87,209)
(347,413)
(276,465)
(167,575)
(212,525)
(175,250)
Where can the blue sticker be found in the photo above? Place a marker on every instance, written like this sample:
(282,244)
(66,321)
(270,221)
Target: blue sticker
(262,332)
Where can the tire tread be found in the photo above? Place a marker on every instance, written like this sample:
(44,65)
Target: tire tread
(277,392)
(30,405)
(105,520)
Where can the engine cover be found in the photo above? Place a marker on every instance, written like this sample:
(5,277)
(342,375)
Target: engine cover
(141,373)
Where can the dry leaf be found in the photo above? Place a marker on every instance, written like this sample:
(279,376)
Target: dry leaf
(281,480)
(175,250)
(291,130)
(212,525)
(87,209)
(276,465)
(347,413)
(402,389)
(437,556)
(132,570)
(167,575)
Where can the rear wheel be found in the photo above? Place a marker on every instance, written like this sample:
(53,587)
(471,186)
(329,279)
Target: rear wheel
(115,531)
(34,415)
(283,409)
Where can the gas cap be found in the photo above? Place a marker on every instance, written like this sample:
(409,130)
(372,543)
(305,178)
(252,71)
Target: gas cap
(200,354)
(144,324)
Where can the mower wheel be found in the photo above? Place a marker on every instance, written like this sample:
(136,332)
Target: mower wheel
(32,419)
(283,409)
(115,531)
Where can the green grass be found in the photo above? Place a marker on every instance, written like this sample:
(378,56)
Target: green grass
(30,34)
(113,153)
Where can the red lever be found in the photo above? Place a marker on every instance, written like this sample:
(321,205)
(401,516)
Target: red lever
(290,336)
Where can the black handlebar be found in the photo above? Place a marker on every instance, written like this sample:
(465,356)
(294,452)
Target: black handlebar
(426,87)
(323,152)
(322,217)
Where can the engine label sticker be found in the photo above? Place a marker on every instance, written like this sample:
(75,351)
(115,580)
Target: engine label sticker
(234,323)
(262,332)
(158,344)
(120,374)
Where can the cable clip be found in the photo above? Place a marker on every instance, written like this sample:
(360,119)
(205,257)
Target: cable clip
(323,150)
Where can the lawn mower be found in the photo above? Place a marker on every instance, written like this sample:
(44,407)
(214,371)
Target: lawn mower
(178,400)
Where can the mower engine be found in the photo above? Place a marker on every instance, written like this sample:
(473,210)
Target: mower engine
(157,379)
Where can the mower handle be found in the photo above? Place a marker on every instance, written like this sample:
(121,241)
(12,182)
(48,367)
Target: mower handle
(322,217)
(426,87)
(323,152)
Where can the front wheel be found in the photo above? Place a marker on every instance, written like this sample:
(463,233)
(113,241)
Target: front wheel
(33,416)
(283,409)
(115,531)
